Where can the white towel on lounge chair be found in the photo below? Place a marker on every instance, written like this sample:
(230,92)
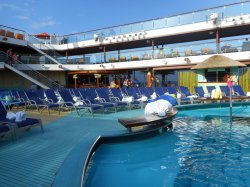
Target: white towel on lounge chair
(20,116)
(11,115)
(128,99)
(153,96)
(143,98)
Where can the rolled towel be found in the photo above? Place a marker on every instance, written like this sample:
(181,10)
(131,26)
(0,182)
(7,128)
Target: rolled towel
(163,107)
(11,115)
(20,116)
(160,107)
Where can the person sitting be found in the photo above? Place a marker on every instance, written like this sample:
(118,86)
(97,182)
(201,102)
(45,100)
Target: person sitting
(216,94)
(113,84)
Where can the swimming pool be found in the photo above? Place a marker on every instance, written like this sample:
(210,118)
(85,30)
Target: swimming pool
(202,149)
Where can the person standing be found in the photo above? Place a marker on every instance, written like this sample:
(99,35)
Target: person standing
(9,55)
(235,79)
(14,59)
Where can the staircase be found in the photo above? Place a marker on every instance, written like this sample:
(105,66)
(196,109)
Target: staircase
(46,50)
(30,74)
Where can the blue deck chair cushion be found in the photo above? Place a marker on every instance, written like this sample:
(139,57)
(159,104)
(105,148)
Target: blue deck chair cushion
(4,128)
(27,122)
(169,98)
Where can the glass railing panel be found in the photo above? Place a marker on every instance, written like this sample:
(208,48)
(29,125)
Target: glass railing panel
(173,21)
(233,10)
(94,58)
(198,16)
(201,16)
(112,57)
(80,37)
(147,25)
(160,23)
(246,8)
(126,29)
(186,19)
(136,27)
(114,31)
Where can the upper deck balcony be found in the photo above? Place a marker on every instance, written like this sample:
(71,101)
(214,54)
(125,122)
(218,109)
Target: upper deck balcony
(229,20)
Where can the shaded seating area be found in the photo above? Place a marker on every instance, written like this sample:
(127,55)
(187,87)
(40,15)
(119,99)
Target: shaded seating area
(148,122)
(12,125)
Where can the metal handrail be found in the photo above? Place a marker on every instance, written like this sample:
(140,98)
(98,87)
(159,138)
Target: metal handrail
(48,49)
(29,71)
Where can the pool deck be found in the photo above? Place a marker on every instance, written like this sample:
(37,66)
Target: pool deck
(34,159)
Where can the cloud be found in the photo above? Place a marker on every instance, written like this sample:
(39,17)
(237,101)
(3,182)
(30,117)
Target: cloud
(9,6)
(22,17)
(45,22)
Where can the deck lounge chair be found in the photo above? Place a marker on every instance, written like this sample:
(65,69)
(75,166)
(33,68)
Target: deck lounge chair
(147,122)
(183,99)
(199,91)
(89,96)
(106,96)
(15,126)
(225,91)
(159,91)
(51,96)
(13,100)
(69,103)
(238,90)
(210,89)
(40,104)
(5,130)
(117,94)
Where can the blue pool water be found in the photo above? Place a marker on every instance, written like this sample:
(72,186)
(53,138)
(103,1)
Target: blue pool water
(202,149)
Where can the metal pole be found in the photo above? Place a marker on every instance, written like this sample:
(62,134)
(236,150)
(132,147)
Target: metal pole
(231,105)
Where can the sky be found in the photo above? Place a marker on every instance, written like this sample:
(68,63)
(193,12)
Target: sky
(67,17)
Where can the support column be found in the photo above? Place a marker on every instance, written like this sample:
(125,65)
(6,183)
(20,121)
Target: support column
(217,42)
(153,49)
(104,51)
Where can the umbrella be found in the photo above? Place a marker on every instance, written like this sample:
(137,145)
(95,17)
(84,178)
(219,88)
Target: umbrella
(43,35)
(218,61)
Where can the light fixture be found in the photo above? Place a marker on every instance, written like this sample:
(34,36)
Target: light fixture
(102,66)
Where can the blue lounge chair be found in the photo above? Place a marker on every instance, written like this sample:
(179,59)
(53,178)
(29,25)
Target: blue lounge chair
(51,96)
(40,104)
(225,91)
(118,95)
(12,100)
(199,91)
(15,126)
(106,96)
(185,92)
(5,130)
(69,103)
(238,90)
(159,91)
(183,99)
(210,89)
(90,97)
